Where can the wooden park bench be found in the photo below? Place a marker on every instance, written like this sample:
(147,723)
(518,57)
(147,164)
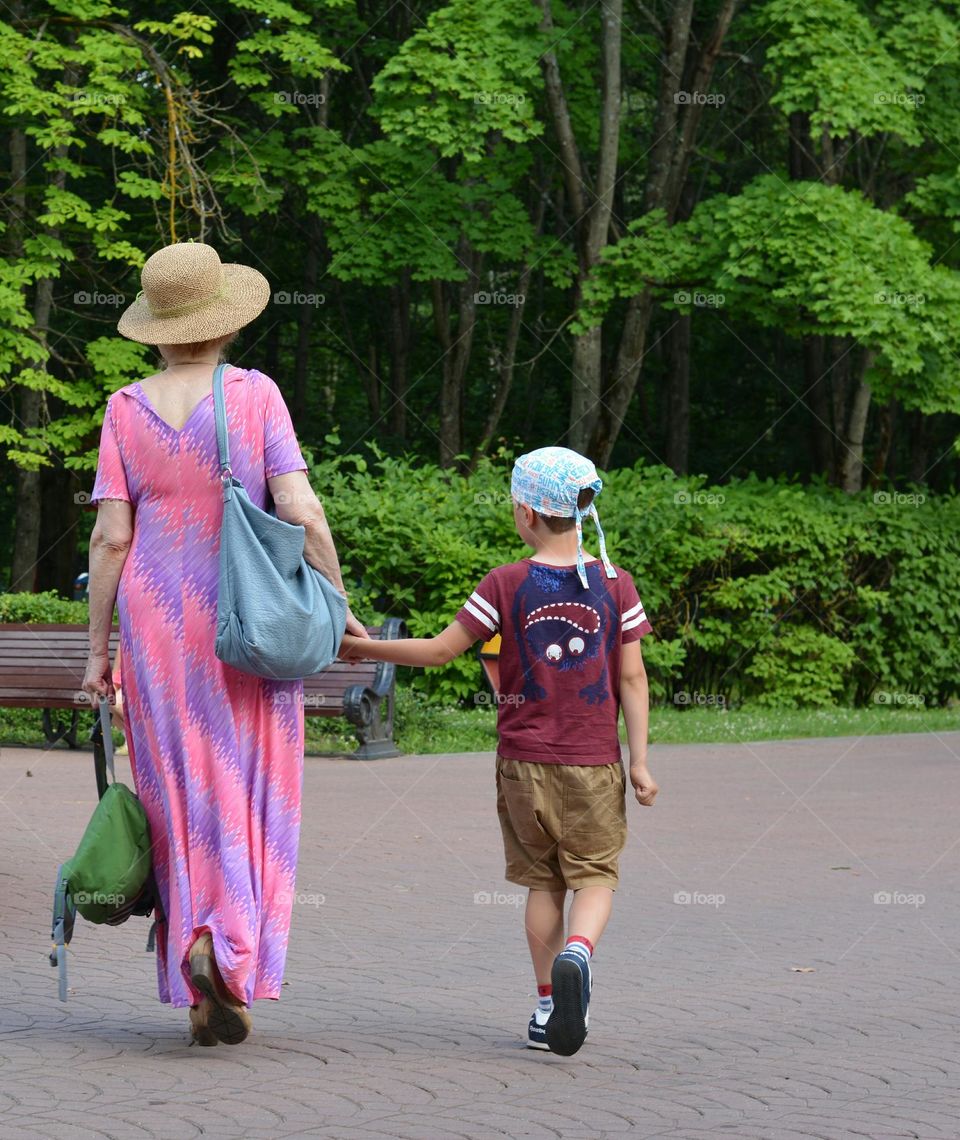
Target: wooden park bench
(42,667)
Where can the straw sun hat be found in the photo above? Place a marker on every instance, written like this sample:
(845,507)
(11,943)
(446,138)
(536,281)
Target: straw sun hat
(189,295)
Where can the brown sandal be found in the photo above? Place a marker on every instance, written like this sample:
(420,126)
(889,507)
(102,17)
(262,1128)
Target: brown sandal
(227,1016)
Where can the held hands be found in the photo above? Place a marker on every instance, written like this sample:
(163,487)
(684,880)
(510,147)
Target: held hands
(352,647)
(644,785)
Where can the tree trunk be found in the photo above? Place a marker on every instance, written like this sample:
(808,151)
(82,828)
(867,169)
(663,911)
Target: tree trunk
(399,353)
(675,136)
(26,530)
(60,513)
(817,401)
(592,206)
(505,368)
(851,463)
(623,382)
(305,314)
(26,542)
(678,394)
(456,353)
(918,432)
(888,417)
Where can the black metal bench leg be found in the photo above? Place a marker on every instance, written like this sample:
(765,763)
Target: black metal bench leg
(372,716)
(54,732)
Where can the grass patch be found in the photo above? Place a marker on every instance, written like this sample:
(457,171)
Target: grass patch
(670,725)
(423,728)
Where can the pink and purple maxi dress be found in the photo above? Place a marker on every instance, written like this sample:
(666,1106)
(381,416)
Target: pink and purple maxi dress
(217,755)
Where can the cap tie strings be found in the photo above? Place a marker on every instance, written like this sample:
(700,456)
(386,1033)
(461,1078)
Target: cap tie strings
(581,568)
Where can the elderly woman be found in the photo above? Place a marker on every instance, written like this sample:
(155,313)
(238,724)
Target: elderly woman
(217,754)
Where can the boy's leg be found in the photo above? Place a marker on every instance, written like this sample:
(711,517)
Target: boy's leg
(589,913)
(593,835)
(544,924)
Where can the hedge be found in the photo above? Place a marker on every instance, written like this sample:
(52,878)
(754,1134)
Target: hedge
(760,591)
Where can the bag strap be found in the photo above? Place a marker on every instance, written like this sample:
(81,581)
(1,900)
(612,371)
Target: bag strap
(220,411)
(103,755)
(64,914)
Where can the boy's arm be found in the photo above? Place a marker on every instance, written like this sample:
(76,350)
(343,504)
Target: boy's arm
(425,651)
(635,702)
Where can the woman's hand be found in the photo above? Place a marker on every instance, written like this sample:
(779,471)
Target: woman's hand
(356,627)
(98,678)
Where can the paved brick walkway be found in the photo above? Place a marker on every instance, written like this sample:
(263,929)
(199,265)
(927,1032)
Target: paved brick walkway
(408,986)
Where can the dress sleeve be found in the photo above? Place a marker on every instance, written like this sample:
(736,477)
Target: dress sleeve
(633,620)
(111,480)
(281,451)
(480,614)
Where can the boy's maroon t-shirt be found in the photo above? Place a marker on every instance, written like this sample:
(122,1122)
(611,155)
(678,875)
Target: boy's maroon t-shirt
(559,697)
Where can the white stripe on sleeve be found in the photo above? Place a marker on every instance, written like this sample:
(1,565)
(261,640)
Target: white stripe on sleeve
(481,617)
(485,605)
(630,613)
(638,620)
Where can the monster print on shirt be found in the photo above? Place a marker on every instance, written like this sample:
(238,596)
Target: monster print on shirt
(556,630)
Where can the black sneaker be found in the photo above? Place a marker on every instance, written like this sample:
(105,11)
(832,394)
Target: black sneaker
(536,1031)
(566,1030)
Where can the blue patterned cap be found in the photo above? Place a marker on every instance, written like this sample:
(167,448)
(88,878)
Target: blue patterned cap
(549,480)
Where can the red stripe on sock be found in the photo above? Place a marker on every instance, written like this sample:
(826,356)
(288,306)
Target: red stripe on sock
(545,991)
(580,938)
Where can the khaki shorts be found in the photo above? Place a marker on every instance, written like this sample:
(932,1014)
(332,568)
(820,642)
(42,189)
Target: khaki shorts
(564,825)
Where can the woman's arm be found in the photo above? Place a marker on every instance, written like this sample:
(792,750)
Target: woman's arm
(109,547)
(296,503)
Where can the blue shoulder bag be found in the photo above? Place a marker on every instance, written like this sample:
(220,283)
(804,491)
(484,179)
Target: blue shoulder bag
(277,616)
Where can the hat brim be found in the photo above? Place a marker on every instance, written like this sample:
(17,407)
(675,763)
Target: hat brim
(247,295)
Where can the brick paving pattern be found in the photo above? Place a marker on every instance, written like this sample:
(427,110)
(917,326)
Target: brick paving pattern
(408,987)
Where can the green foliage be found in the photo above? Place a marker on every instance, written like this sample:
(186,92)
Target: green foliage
(759,592)
(772,254)
(44,607)
(471,72)
(833,62)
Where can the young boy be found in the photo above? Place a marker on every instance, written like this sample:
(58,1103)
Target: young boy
(570,658)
